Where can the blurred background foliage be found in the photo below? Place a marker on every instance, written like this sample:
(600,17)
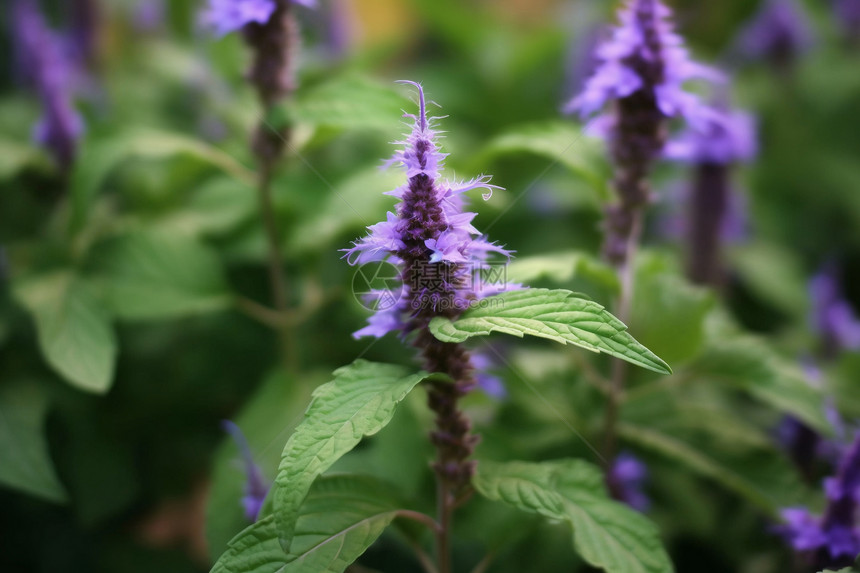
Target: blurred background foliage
(125,283)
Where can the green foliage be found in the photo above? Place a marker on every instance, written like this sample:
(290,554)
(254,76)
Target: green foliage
(747,363)
(27,464)
(157,276)
(561,142)
(100,158)
(342,516)
(370,105)
(558,315)
(561,267)
(75,333)
(359,402)
(606,533)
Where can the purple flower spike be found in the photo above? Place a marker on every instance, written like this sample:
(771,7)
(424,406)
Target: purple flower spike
(779,33)
(256,488)
(440,253)
(725,137)
(626,480)
(833,539)
(832,316)
(43,64)
(642,69)
(644,53)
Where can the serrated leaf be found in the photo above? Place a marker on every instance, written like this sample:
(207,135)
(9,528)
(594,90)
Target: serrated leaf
(763,477)
(749,364)
(350,101)
(342,516)
(561,267)
(559,315)
(606,533)
(27,464)
(98,160)
(359,402)
(560,141)
(155,276)
(75,333)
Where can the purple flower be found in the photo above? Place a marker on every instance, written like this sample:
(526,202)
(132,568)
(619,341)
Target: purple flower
(492,385)
(832,317)
(644,53)
(847,12)
(626,479)
(43,63)
(643,67)
(832,539)
(779,33)
(725,137)
(440,253)
(149,15)
(256,488)
(225,16)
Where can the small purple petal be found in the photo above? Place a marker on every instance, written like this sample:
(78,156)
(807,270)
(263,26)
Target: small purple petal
(256,489)
(225,16)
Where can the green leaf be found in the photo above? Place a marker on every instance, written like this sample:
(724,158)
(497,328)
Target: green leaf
(350,101)
(774,273)
(26,463)
(559,141)
(762,477)
(16,156)
(359,402)
(98,160)
(559,315)
(342,516)
(561,267)
(668,313)
(749,364)
(255,550)
(75,334)
(155,276)
(606,533)
(353,204)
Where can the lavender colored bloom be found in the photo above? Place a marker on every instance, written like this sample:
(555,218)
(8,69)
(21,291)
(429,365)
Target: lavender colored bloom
(847,12)
(832,317)
(725,137)
(43,63)
(832,539)
(430,238)
(149,15)
(492,385)
(225,16)
(440,255)
(644,54)
(643,67)
(779,33)
(626,479)
(256,488)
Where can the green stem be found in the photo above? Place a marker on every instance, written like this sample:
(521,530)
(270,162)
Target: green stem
(277,276)
(623,307)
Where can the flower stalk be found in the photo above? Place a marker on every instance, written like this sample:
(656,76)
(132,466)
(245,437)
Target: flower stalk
(440,256)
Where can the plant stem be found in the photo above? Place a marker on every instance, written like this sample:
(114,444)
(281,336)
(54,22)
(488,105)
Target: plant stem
(277,276)
(443,517)
(623,307)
